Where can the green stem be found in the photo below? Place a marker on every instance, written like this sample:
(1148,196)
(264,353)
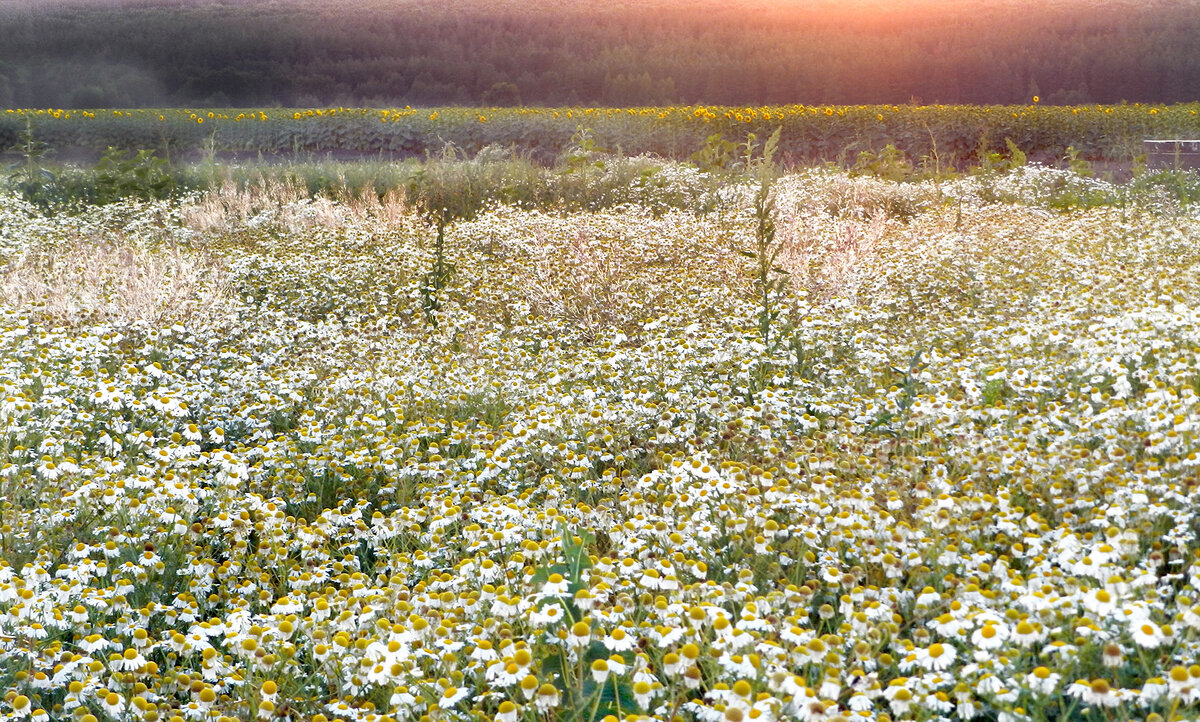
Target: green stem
(595,704)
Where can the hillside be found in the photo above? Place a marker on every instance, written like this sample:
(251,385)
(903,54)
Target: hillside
(367,52)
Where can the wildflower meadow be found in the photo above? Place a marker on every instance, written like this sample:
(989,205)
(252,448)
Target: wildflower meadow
(819,446)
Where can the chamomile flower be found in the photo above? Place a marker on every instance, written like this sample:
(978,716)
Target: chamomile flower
(548,615)
(1100,602)
(1043,681)
(1146,634)
(936,657)
(989,636)
(547,698)
(1098,692)
(507,712)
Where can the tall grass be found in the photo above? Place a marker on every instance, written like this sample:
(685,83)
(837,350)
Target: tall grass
(494,175)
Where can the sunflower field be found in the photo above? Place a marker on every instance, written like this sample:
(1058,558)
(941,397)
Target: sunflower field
(953,135)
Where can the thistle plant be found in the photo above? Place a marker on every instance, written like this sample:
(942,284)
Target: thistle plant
(769,279)
(583,159)
(444,190)
(28,176)
(439,275)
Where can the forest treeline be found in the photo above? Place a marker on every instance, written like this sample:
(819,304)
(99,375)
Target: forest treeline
(656,52)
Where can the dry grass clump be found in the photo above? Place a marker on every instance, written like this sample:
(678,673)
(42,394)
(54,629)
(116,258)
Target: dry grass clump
(862,197)
(599,271)
(287,203)
(579,281)
(229,204)
(117,282)
(822,256)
